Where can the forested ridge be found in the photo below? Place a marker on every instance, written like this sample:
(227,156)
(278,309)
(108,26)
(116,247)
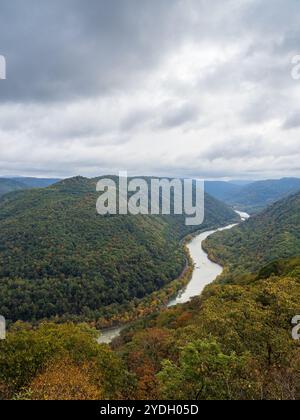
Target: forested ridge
(59,258)
(234,342)
(271,235)
(260,194)
(253,197)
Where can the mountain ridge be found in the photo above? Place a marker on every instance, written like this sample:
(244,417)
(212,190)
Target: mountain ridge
(268,236)
(69,261)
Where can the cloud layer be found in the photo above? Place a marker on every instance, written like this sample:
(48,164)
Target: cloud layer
(170,87)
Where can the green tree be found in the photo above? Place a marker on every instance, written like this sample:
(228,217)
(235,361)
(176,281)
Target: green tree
(204,372)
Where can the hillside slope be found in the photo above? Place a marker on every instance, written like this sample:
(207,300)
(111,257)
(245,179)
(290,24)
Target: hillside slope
(58,257)
(273,234)
(260,194)
(234,343)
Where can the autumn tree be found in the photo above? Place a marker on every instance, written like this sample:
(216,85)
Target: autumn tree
(64,380)
(204,372)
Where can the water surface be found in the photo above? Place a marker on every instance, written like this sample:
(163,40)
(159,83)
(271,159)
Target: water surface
(205,272)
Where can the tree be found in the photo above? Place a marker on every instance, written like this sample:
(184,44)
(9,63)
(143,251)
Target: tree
(204,372)
(64,380)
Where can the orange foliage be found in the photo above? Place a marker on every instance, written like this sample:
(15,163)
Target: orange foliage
(149,348)
(148,386)
(184,319)
(4,392)
(64,380)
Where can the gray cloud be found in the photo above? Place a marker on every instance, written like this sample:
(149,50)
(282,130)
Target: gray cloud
(156,86)
(179,116)
(236,148)
(293,121)
(68,49)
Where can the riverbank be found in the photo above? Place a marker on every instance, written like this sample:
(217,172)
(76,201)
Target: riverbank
(201,272)
(140,308)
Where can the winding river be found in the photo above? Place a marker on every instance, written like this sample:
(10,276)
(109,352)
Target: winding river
(205,272)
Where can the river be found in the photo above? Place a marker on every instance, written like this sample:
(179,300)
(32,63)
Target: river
(205,272)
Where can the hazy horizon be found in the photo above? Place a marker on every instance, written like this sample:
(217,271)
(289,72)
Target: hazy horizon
(141,175)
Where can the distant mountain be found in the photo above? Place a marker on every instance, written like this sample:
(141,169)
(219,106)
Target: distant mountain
(271,235)
(258,195)
(240,182)
(36,182)
(222,190)
(9,185)
(58,257)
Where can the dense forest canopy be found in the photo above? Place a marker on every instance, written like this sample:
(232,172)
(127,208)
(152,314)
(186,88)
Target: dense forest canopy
(271,235)
(232,342)
(58,257)
(235,341)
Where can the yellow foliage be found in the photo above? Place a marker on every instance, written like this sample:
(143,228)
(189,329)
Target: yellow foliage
(64,380)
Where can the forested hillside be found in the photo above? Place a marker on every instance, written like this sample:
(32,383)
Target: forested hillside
(233,342)
(59,258)
(273,234)
(258,195)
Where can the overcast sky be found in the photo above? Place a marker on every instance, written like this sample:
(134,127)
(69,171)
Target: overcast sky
(198,88)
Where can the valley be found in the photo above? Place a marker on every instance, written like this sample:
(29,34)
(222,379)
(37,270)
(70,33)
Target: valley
(253,197)
(59,259)
(244,284)
(239,329)
(204,272)
(149,203)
